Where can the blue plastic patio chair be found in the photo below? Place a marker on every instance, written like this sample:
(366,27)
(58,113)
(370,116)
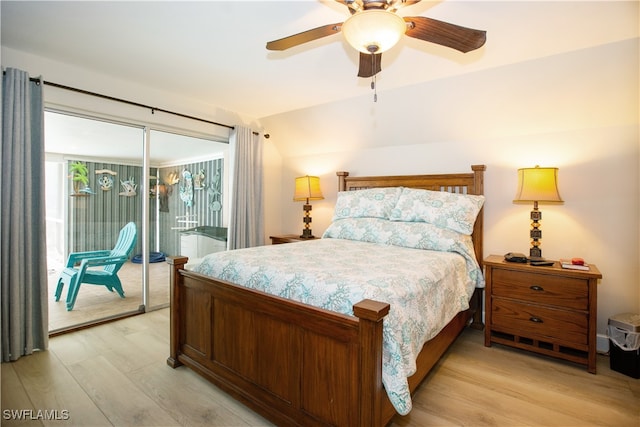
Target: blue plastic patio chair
(78,271)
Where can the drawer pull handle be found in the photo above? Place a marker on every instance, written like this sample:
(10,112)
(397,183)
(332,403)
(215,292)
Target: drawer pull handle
(536,288)
(536,319)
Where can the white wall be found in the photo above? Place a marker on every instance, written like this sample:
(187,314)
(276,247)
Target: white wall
(577,111)
(72,76)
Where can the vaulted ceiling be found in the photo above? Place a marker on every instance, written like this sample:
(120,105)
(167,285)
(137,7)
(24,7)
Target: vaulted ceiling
(214,51)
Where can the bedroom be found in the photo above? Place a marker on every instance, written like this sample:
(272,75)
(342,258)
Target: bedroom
(569,99)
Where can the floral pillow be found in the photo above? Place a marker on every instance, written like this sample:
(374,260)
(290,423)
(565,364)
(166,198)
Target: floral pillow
(368,203)
(414,235)
(454,211)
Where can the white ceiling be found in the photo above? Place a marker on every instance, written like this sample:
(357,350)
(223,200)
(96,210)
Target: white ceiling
(214,51)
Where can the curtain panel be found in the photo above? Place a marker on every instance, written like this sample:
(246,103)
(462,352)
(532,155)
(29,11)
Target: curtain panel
(246,222)
(23,264)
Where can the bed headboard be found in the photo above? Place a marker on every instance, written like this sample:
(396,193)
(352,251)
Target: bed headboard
(464,183)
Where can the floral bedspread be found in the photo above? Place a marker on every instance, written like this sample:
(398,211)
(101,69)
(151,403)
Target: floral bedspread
(425,289)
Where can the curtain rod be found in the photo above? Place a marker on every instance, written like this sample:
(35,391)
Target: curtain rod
(153,109)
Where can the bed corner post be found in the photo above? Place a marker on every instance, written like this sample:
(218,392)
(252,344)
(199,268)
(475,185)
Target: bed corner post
(176,263)
(342,185)
(477,300)
(371,313)
(478,227)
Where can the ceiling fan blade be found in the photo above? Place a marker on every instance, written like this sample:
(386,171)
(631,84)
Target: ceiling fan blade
(369,64)
(304,37)
(445,34)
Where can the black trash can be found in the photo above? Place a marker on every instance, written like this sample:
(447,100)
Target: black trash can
(624,344)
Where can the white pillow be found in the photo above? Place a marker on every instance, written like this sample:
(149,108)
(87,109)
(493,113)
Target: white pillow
(367,203)
(457,212)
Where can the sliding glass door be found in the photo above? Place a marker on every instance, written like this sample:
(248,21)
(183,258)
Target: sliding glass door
(94,172)
(102,175)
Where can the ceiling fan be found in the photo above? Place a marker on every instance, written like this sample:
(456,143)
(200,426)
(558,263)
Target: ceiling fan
(374,27)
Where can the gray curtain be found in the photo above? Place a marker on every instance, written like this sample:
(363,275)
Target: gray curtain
(246,224)
(23,262)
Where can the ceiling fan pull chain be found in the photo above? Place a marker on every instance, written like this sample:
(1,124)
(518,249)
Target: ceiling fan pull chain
(373,78)
(375,88)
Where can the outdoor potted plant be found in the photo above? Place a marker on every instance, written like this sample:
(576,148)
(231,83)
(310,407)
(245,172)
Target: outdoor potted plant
(79,174)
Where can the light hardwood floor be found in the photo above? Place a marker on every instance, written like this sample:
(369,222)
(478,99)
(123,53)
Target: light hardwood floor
(96,302)
(116,374)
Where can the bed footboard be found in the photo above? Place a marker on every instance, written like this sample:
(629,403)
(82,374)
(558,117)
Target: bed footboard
(292,363)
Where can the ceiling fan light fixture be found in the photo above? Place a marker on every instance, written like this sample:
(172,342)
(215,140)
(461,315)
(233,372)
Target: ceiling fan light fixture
(373,31)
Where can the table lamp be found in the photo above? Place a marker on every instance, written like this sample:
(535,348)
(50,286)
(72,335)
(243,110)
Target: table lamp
(537,185)
(307,188)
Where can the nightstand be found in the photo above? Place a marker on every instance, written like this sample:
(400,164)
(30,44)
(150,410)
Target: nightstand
(547,310)
(288,238)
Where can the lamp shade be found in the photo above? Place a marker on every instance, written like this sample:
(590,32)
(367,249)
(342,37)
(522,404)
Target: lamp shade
(307,188)
(538,185)
(373,31)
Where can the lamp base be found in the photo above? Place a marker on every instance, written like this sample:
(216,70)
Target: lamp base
(535,253)
(306,231)
(306,234)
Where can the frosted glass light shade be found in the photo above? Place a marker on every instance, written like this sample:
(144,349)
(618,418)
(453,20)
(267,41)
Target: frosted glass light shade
(307,188)
(538,185)
(373,31)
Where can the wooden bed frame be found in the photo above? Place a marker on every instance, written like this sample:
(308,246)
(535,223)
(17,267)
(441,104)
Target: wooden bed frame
(293,363)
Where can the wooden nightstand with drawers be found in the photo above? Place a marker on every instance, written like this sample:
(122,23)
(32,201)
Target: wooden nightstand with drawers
(547,310)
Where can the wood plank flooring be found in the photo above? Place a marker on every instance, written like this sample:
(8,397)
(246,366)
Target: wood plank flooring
(116,375)
(96,302)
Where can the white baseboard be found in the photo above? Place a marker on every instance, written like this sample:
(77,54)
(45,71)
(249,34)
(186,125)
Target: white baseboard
(602,343)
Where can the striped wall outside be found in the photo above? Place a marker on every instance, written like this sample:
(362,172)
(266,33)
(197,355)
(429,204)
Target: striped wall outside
(96,219)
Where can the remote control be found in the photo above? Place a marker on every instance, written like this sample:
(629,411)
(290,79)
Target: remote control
(541,263)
